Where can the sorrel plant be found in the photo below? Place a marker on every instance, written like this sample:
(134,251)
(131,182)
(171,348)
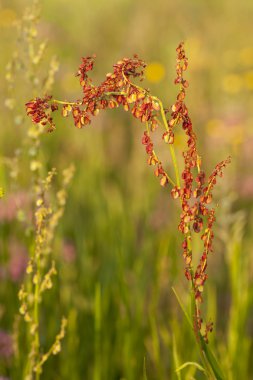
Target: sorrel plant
(191,186)
(44,208)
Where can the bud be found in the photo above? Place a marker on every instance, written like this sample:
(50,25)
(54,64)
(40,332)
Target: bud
(163,180)
(175,192)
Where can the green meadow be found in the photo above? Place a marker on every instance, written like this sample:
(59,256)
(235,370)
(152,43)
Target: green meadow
(92,283)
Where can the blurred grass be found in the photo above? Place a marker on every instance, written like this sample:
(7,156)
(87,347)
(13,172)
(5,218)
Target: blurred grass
(116,287)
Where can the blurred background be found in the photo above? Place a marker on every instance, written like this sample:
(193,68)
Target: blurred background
(117,248)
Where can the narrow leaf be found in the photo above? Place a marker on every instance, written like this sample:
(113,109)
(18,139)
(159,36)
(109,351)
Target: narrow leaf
(188,364)
(212,360)
(144,369)
(175,357)
(182,306)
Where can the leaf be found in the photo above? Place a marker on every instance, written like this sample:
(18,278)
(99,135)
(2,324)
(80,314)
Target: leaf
(175,356)
(208,354)
(182,307)
(212,360)
(188,364)
(144,369)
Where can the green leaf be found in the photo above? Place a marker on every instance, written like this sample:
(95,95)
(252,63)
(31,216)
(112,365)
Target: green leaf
(182,307)
(212,360)
(186,364)
(175,357)
(208,354)
(144,369)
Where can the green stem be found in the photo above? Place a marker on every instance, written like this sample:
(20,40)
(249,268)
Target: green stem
(66,103)
(36,315)
(98,317)
(198,334)
(194,314)
(171,147)
(115,93)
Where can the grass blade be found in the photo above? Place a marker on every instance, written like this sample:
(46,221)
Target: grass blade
(144,369)
(206,350)
(182,307)
(198,366)
(212,360)
(175,357)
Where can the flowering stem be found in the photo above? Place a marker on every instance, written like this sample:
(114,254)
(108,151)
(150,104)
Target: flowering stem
(115,93)
(149,109)
(198,337)
(171,147)
(209,188)
(194,307)
(154,153)
(65,102)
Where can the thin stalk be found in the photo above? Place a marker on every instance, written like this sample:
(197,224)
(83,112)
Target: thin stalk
(198,334)
(98,317)
(194,315)
(156,157)
(66,103)
(115,93)
(171,147)
(112,93)
(191,321)
(36,314)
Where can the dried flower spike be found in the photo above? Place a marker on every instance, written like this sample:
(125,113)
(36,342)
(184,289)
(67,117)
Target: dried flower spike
(193,188)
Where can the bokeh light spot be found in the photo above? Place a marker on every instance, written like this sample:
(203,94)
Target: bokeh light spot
(246,56)
(7,17)
(213,127)
(232,83)
(248,79)
(155,72)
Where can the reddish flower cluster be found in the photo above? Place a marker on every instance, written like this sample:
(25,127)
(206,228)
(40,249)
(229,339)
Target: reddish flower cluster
(153,160)
(195,193)
(86,66)
(40,111)
(117,89)
(194,198)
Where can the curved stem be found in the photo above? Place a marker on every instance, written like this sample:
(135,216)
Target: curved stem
(115,93)
(66,102)
(171,147)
